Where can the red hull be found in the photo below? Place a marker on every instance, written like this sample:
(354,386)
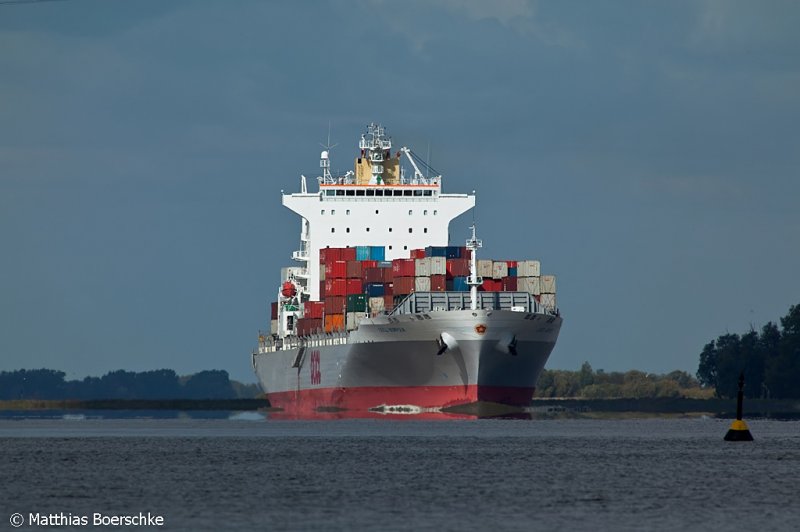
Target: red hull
(371,397)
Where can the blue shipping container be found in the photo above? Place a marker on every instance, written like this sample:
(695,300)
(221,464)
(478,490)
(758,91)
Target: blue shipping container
(453,252)
(377,253)
(436,251)
(512,271)
(375,290)
(362,252)
(460,284)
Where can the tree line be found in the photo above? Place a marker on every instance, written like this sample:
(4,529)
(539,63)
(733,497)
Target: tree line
(589,384)
(770,360)
(120,384)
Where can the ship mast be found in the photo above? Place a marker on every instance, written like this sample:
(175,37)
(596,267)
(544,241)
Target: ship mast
(474,281)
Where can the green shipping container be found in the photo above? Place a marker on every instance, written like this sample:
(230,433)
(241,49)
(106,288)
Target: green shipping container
(357,303)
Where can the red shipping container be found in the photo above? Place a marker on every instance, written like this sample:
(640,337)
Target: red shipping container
(388,289)
(404,268)
(314,309)
(388,275)
(336,269)
(509,284)
(348,253)
(457,268)
(511,263)
(273,311)
(327,255)
(335,287)
(354,269)
(369,264)
(388,302)
(418,253)
(322,289)
(492,285)
(438,283)
(403,285)
(335,304)
(308,326)
(354,286)
(373,275)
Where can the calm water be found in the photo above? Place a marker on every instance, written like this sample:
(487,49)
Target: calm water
(250,473)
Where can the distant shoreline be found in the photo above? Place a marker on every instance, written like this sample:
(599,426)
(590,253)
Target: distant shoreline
(135,404)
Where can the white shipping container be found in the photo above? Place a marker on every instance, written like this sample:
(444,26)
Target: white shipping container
(485,268)
(422,284)
(548,302)
(528,268)
(353,319)
(321,272)
(376,305)
(548,284)
(529,284)
(499,269)
(438,265)
(273,327)
(422,267)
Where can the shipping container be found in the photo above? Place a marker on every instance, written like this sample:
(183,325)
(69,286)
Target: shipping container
(511,263)
(348,254)
(354,286)
(273,310)
(422,267)
(417,253)
(356,303)
(529,284)
(403,286)
(460,284)
(334,322)
(388,302)
(453,252)
(322,269)
(422,284)
(492,285)
(308,326)
(509,284)
(368,264)
(457,268)
(388,289)
(512,271)
(322,290)
(499,269)
(377,253)
(354,269)
(362,253)
(353,319)
(313,309)
(375,290)
(336,269)
(335,287)
(485,268)
(548,284)
(548,302)
(403,267)
(528,268)
(273,326)
(438,283)
(436,251)
(377,304)
(327,255)
(335,305)
(438,265)
(372,275)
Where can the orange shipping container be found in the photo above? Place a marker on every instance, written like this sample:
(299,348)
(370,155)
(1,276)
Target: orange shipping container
(334,322)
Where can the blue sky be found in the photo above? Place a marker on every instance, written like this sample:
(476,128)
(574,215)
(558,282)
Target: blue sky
(646,152)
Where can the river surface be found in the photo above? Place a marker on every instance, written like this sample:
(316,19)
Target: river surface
(252,473)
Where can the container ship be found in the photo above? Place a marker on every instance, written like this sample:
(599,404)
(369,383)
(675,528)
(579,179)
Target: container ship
(381,314)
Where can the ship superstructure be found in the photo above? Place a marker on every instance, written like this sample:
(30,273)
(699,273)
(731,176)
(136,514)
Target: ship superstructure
(380,310)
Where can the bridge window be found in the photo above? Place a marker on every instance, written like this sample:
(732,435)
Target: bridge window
(406,193)
(322,211)
(347,212)
(379,192)
(418,193)
(359,192)
(410,212)
(339,192)
(425,230)
(425,212)
(370,192)
(350,193)
(333,229)
(347,230)
(410,230)
(426,192)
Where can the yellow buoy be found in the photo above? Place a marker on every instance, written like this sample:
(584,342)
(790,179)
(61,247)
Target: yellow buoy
(739,430)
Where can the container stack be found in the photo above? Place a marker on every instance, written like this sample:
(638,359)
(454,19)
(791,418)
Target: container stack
(358,282)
